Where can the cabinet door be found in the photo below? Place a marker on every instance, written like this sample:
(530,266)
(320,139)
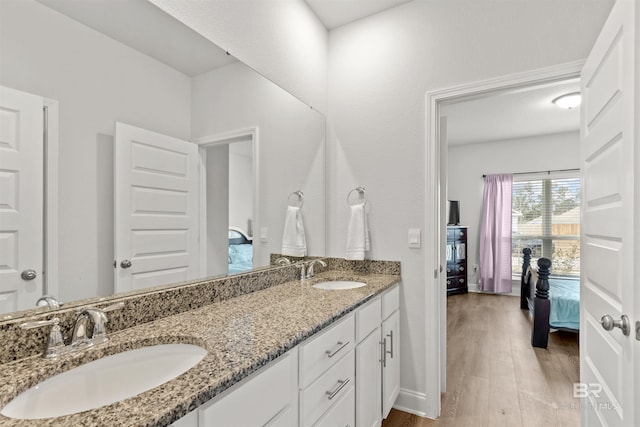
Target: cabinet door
(368,381)
(451,251)
(461,251)
(391,362)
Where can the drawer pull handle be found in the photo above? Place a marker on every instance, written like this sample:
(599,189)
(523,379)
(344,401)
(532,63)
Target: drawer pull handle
(383,349)
(341,383)
(341,346)
(390,335)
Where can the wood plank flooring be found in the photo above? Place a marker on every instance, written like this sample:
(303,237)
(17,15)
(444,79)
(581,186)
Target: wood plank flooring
(494,376)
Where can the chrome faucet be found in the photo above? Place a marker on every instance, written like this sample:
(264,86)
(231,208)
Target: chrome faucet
(303,270)
(79,339)
(55,345)
(48,301)
(312,263)
(99,319)
(283,261)
(80,335)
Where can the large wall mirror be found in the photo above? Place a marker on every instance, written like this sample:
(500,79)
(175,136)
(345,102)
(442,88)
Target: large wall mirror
(123,88)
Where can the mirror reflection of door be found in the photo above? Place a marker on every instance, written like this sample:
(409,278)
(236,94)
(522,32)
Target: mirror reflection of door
(21,199)
(156,209)
(182,211)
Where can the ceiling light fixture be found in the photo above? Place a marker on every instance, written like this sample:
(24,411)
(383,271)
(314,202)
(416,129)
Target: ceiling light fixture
(568,100)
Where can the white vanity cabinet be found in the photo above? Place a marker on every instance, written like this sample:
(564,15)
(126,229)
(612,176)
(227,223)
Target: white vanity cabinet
(369,365)
(390,361)
(346,375)
(377,358)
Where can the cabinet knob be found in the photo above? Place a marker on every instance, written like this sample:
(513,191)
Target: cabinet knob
(462,268)
(461,280)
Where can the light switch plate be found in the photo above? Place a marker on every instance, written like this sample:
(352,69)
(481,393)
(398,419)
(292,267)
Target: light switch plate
(264,234)
(415,240)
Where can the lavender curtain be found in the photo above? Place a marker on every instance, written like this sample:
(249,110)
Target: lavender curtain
(495,234)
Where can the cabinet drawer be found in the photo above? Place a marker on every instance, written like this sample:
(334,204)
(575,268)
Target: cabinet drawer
(368,318)
(316,399)
(270,390)
(456,282)
(456,269)
(342,414)
(461,234)
(390,302)
(317,355)
(451,233)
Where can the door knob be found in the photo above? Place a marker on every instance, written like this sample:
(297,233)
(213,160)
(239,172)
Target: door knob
(125,263)
(29,274)
(608,323)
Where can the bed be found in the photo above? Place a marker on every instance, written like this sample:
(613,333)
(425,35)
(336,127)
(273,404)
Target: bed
(240,251)
(554,303)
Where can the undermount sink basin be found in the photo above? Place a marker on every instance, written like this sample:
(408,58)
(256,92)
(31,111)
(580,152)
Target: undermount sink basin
(104,381)
(338,285)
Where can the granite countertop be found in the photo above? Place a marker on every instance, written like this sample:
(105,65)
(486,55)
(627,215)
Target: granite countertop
(241,335)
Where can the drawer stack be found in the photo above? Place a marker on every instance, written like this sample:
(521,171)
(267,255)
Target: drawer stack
(456,260)
(327,380)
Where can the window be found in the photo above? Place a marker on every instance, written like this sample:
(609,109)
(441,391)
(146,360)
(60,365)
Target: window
(546,219)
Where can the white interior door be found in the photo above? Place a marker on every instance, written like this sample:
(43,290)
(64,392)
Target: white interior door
(156,209)
(610,214)
(21,199)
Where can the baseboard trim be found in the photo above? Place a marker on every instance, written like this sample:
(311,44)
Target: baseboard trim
(515,289)
(409,401)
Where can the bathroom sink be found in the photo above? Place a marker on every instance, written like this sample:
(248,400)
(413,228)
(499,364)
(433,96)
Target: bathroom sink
(104,381)
(338,285)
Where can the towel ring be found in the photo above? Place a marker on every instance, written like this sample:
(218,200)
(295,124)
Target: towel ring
(361,191)
(300,200)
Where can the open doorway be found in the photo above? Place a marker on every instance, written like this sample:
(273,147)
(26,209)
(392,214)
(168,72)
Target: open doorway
(519,132)
(436,195)
(228,208)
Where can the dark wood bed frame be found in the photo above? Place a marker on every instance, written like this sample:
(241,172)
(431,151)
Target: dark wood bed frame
(538,303)
(536,299)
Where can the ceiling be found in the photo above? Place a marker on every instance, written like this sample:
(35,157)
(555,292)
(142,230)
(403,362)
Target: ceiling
(511,114)
(334,13)
(144,27)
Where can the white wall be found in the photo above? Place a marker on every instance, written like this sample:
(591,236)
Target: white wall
(379,71)
(291,151)
(467,163)
(97,81)
(282,39)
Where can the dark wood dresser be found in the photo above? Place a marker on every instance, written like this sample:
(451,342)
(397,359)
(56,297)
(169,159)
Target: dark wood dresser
(456,259)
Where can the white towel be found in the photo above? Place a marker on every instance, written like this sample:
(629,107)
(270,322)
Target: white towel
(358,233)
(293,240)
